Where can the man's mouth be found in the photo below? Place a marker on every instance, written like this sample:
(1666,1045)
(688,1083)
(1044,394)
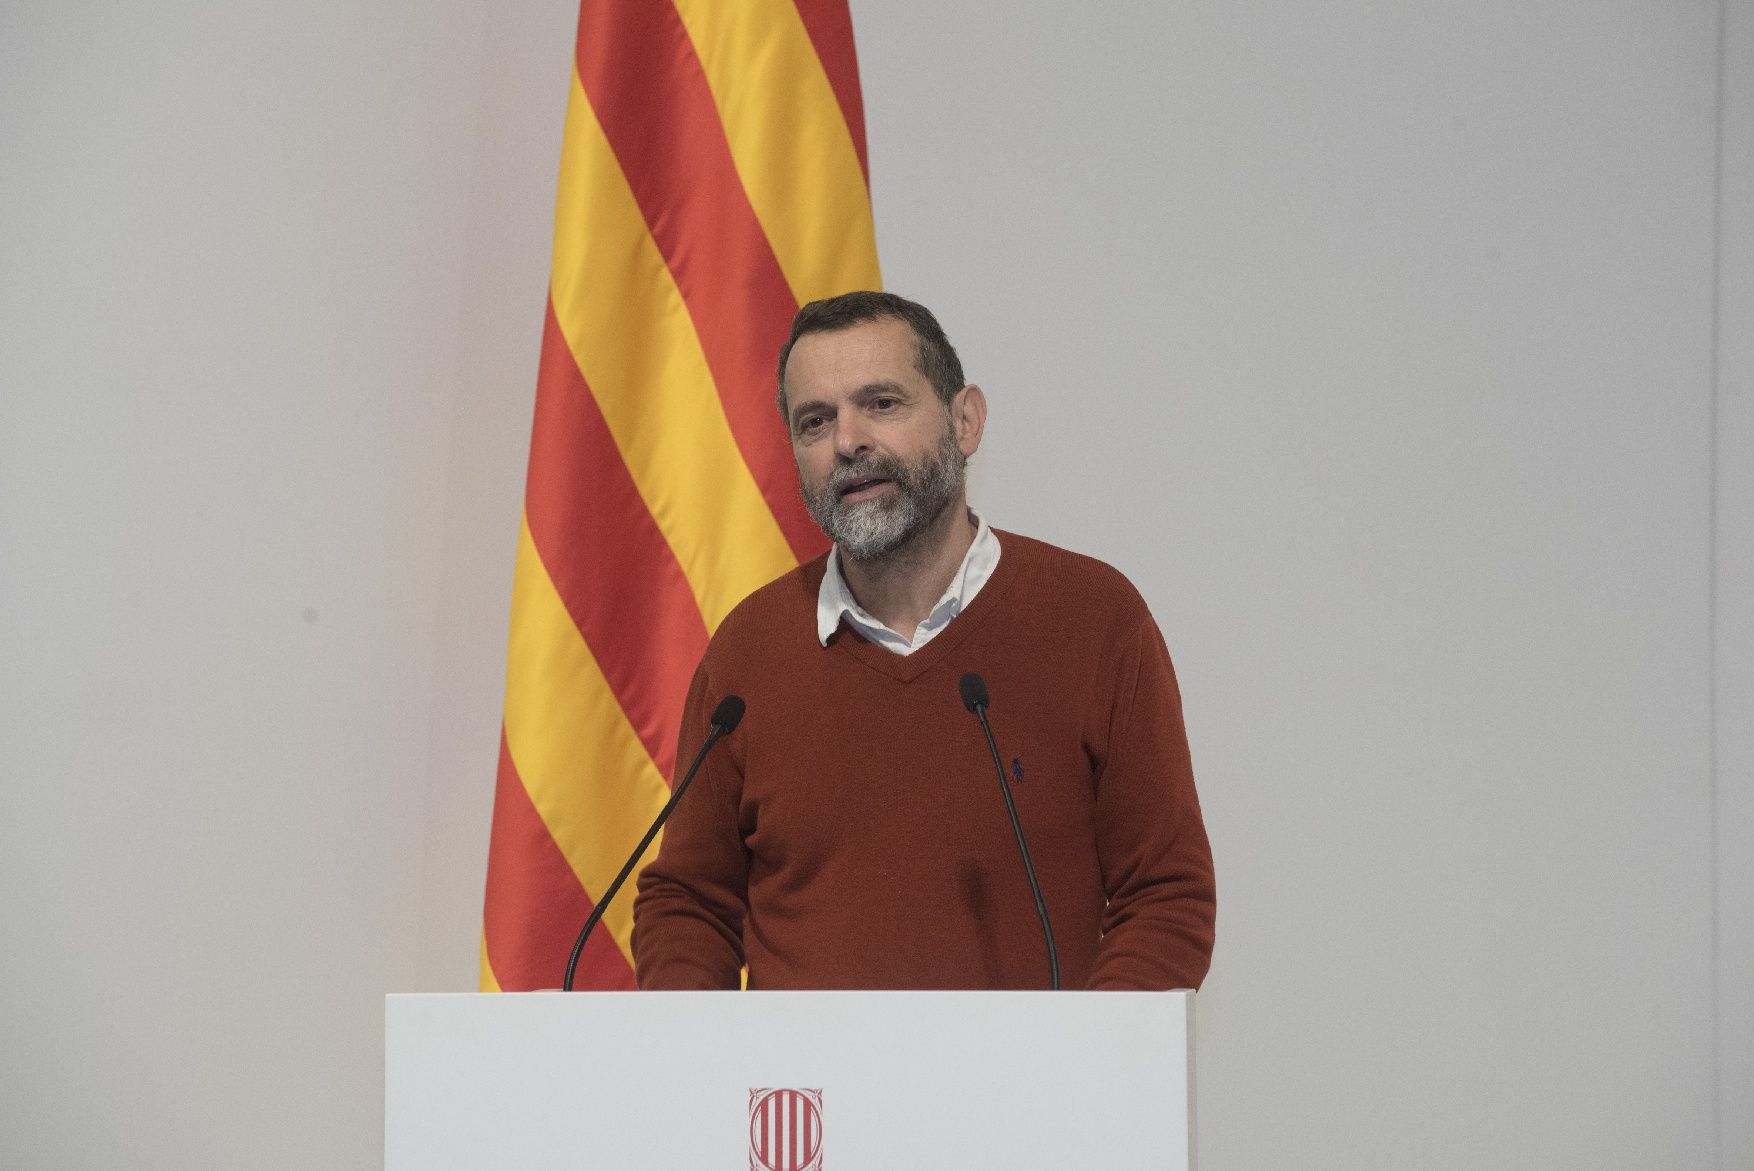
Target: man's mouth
(864,488)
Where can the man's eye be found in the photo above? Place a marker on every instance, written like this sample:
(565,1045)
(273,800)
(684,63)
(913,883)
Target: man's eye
(885,403)
(809,423)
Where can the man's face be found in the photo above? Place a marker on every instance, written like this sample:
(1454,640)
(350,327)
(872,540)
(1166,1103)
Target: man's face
(879,457)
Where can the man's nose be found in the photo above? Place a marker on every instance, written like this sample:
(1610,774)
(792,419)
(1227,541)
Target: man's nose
(851,437)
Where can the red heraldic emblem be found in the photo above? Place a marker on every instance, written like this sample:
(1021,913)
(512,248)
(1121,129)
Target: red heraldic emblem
(785,1130)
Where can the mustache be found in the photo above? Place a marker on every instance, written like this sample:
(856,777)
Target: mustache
(871,467)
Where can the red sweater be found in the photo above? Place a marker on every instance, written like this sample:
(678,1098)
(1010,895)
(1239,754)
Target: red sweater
(850,833)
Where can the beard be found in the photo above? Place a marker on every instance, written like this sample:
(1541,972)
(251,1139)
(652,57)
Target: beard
(867,530)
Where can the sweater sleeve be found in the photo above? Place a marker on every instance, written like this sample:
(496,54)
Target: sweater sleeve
(688,916)
(1151,842)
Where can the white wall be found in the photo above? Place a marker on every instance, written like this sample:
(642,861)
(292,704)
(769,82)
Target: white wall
(1399,356)
(1733,594)
(1376,342)
(233,261)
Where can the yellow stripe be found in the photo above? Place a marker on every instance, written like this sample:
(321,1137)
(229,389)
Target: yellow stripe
(584,766)
(791,144)
(627,326)
(489,982)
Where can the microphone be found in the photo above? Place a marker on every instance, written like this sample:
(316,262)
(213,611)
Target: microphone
(726,717)
(974,698)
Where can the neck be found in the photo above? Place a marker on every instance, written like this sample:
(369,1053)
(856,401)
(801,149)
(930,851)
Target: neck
(900,588)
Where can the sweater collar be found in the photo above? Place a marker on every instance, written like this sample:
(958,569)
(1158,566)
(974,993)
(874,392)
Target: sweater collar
(835,600)
(906,668)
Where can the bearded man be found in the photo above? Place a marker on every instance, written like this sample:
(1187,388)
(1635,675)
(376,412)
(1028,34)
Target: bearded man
(847,834)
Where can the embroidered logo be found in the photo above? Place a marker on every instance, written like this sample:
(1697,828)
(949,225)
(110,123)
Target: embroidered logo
(1016,768)
(785,1130)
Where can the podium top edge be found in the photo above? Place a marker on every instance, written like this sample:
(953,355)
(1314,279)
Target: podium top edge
(825,993)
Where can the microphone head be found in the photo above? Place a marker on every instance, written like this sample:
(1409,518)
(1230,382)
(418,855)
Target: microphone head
(728,714)
(974,691)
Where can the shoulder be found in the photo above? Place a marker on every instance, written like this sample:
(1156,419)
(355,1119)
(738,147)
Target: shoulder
(773,619)
(1052,577)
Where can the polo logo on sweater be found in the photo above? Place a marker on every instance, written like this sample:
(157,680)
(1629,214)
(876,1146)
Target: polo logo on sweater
(785,1130)
(1016,768)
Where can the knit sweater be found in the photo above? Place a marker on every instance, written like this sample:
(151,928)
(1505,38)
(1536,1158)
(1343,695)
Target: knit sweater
(850,833)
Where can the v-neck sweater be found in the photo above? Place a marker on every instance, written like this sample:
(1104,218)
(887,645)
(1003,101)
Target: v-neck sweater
(850,832)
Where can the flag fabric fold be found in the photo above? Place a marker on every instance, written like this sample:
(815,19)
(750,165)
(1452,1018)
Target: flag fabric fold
(713,178)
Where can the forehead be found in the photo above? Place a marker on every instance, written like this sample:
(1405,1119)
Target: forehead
(846,359)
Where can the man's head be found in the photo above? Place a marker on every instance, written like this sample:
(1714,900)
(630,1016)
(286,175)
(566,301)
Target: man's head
(935,356)
(881,424)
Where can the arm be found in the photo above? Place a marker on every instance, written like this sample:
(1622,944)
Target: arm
(688,916)
(1151,841)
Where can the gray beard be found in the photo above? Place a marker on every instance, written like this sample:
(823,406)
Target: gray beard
(873,529)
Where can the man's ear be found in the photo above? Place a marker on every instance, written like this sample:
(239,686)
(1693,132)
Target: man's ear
(968,414)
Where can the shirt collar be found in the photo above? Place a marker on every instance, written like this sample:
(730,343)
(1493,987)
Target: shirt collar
(835,601)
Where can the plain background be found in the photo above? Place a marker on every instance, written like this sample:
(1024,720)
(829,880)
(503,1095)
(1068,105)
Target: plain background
(1400,353)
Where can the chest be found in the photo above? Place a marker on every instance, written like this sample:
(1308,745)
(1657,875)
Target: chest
(871,771)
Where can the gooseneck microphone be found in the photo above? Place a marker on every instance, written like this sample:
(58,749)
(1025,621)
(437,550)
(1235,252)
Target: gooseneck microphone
(726,717)
(974,698)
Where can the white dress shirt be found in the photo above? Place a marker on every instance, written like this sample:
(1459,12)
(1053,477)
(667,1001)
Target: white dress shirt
(835,601)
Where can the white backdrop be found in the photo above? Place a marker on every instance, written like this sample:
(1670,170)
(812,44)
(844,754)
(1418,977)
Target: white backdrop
(1401,357)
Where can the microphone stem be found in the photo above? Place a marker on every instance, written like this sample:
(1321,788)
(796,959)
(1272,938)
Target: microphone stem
(578,947)
(1041,907)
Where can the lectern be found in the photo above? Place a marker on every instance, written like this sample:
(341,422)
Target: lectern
(790,1081)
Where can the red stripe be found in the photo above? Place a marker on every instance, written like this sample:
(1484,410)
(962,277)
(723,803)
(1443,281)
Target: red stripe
(648,90)
(783,1132)
(535,905)
(830,26)
(792,1159)
(611,565)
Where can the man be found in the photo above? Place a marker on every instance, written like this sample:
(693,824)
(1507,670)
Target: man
(848,834)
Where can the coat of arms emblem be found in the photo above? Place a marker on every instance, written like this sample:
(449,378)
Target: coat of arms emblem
(785,1130)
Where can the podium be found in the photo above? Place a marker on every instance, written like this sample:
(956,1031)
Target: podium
(789,1081)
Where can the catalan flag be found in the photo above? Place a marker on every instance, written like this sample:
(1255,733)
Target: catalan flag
(712,179)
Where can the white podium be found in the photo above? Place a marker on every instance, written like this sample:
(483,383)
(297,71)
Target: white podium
(789,1081)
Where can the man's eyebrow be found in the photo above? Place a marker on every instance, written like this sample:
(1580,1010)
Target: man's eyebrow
(872,389)
(868,391)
